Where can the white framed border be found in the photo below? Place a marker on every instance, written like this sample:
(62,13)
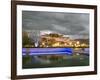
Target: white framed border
(35,71)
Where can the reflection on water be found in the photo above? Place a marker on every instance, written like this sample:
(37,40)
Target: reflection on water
(51,57)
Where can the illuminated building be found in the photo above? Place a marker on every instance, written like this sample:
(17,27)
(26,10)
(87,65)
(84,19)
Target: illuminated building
(58,40)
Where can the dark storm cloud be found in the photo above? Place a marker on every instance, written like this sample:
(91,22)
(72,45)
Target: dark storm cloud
(66,23)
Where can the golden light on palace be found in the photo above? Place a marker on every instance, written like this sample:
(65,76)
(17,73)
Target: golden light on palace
(43,43)
(56,44)
(77,42)
(83,44)
(70,43)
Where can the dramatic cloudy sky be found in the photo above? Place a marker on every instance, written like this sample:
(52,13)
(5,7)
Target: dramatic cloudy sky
(66,23)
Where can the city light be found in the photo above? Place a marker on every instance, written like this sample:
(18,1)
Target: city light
(55,40)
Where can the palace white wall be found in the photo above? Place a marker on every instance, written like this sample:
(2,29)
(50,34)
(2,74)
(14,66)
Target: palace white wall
(5,37)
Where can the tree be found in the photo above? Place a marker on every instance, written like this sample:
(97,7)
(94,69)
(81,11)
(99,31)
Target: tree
(26,41)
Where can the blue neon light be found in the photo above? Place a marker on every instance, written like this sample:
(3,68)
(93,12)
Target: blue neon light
(42,51)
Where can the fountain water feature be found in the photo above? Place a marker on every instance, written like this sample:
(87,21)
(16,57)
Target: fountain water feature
(35,37)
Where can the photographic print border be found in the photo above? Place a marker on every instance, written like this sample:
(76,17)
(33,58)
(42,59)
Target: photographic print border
(14,39)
